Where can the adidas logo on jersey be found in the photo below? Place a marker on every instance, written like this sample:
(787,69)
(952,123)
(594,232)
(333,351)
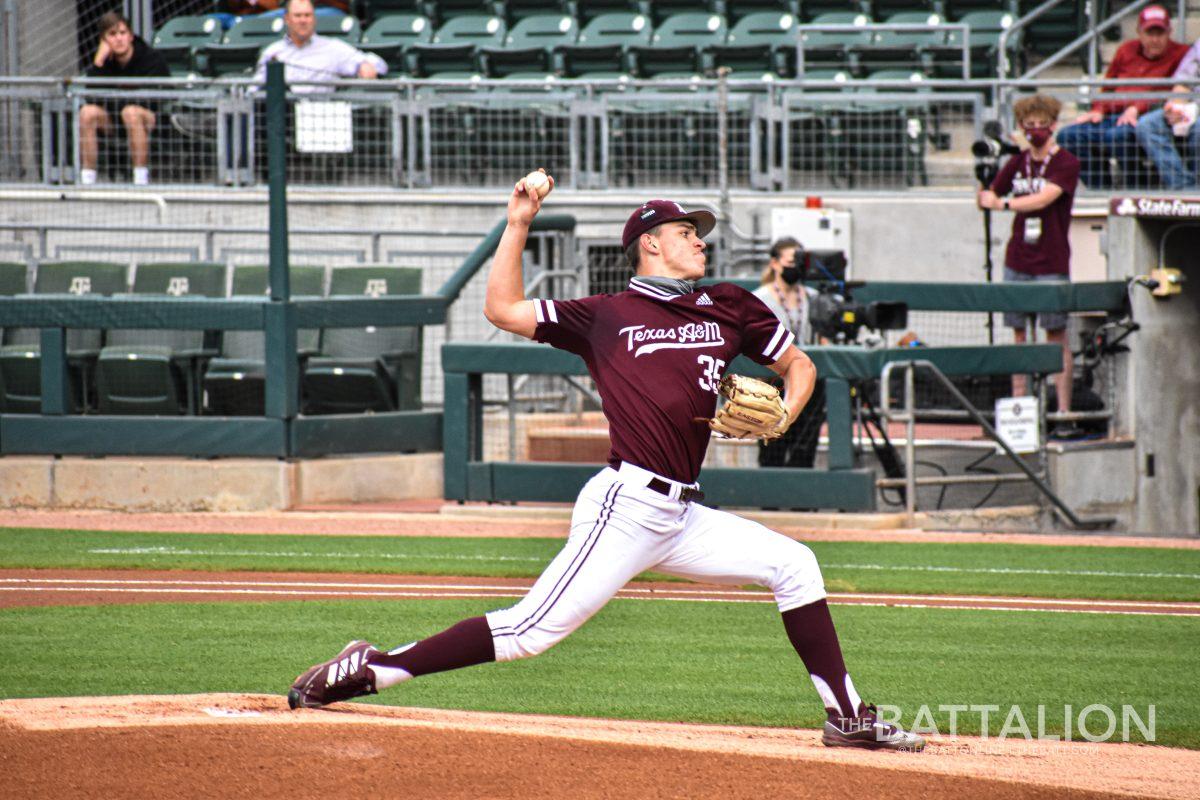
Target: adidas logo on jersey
(704,300)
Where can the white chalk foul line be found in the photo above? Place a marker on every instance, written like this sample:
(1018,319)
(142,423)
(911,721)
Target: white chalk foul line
(516,590)
(178,551)
(1088,573)
(183,551)
(475,591)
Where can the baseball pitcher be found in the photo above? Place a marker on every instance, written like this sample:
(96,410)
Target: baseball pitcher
(657,353)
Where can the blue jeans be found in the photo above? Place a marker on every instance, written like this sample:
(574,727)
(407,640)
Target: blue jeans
(1155,136)
(1094,143)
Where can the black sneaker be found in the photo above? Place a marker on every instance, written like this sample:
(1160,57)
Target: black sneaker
(340,678)
(1067,431)
(867,732)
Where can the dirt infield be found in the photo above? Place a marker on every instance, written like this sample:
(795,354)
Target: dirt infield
(234,746)
(44,587)
(252,746)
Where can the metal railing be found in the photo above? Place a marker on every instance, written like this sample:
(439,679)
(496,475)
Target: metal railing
(908,416)
(409,134)
(857,50)
(723,133)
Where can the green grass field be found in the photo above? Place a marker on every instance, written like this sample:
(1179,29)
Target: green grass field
(989,569)
(703,662)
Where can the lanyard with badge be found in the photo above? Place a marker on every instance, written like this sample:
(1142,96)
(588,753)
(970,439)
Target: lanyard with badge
(1033,224)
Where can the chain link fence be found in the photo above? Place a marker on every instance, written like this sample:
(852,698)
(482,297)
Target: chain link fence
(788,136)
(479,134)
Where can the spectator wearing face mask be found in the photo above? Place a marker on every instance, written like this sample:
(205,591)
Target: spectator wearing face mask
(784,292)
(1042,181)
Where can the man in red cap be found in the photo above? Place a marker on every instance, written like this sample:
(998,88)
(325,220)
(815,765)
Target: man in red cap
(1108,130)
(656,352)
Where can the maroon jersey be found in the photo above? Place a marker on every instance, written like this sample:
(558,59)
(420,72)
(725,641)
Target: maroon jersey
(1049,253)
(657,358)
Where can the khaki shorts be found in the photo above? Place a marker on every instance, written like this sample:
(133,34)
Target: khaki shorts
(1046,320)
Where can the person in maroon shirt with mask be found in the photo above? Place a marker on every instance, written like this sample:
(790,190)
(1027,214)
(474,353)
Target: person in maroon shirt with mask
(1042,182)
(1109,129)
(657,352)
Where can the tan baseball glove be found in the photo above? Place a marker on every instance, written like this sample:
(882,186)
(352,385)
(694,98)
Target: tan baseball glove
(752,409)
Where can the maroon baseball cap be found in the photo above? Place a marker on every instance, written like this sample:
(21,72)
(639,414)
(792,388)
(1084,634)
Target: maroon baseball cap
(655,212)
(1153,17)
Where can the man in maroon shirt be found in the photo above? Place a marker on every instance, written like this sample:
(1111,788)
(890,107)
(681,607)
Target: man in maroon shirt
(1042,182)
(657,352)
(1108,130)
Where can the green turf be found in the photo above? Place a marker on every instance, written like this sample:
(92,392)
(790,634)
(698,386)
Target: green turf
(990,569)
(719,663)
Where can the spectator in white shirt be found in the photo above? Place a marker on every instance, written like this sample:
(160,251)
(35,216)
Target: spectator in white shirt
(309,57)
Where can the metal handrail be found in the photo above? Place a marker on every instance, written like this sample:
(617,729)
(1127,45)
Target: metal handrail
(1002,64)
(1091,35)
(887,26)
(909,418)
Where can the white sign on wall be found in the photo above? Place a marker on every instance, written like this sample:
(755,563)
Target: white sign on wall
(324,126)
(1017,423)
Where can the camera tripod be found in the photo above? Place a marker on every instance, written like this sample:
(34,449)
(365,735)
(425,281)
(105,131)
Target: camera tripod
(985,172)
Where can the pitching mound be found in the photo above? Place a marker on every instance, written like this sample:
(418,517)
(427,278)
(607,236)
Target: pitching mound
(225,745)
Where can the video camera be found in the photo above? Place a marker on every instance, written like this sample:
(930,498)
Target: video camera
(989,150)
(835,316)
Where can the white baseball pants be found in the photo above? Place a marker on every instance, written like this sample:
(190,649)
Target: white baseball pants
(619,529)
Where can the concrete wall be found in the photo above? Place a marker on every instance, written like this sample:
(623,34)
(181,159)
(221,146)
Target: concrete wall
(234,484)
(1160,402)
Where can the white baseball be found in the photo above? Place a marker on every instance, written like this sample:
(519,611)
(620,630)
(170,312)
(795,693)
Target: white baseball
(538,182)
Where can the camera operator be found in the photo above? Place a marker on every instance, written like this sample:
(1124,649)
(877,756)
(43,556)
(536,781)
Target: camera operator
(784,292)
(1042,180)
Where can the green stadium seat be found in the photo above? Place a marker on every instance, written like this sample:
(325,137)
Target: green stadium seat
(622,79)
(984,43)
(234,383)
(882,9)
(1054,29)
(659,10)
(758,43)
(156,371)
(14,278)
(549,80)
(914,79)
(529,45)
(735,11)
(372,10)
(900,50)
(603,43)
(181,42)
(516,10)
(453,48)
(371,369)
(345,27)
(955,9)
(587,10)
(677,45)
(20,357)
(813,9)
(830,49)
(388,37)
(877,145)
(238,51)
(445,10)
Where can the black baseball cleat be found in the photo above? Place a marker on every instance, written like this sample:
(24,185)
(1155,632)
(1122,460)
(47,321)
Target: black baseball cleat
(342,677)
(867,732)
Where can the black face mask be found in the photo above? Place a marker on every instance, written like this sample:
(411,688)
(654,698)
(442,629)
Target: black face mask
(792,275)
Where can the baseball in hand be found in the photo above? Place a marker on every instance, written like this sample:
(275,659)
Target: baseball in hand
(538,182)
